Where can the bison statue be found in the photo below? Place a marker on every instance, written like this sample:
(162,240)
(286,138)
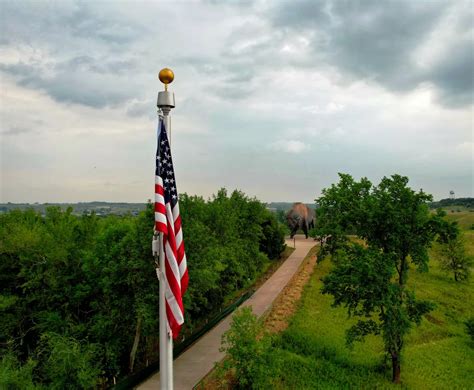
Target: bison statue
(300,217)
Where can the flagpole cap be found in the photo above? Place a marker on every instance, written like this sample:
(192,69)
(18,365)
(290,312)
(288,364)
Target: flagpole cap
(166,76)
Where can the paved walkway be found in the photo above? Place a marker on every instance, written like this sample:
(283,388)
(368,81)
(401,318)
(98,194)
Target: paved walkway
(199,359)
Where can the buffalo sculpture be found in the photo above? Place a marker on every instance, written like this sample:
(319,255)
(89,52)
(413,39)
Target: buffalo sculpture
(300,217)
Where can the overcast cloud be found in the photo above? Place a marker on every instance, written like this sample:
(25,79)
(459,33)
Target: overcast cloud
(273,98)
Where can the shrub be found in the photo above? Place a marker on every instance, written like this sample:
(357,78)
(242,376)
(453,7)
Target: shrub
(273,241)
(14,376)
(246,348)
(453,255)
(470,328)
(67,363)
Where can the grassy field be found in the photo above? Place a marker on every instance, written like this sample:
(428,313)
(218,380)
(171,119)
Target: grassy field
(311,352)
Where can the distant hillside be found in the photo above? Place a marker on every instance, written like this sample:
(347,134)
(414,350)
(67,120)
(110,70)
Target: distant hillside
(463,202)
(121,208)
(285,206)
(105,208)
(99,208)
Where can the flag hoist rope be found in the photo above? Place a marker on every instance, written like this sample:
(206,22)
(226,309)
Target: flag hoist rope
(165,103)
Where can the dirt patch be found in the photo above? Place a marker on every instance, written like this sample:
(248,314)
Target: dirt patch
(434,320)
(286,303)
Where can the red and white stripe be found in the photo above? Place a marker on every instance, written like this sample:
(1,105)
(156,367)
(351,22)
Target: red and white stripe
(168,222)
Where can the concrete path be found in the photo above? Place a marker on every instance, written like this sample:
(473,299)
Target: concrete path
(199,359)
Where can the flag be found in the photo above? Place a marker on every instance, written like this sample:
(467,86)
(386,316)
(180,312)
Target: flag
(168,222)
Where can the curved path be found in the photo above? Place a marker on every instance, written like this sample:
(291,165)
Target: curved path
(199,359)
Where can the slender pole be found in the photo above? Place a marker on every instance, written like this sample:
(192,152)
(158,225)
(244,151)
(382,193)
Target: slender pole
(165,103)
(168,366)
(163,331)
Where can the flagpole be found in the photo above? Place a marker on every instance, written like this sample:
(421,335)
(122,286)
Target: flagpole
(165,103)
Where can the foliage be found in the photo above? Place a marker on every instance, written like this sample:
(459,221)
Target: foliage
(470,328)
(68,363)
(371,281)
(245,348)
(74,290)
(453,255)
(15,376)
(465,202)
(273,241)
(361,282)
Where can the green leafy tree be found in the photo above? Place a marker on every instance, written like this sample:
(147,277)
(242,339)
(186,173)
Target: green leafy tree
(273,241)
(371,281)
(454,257)
(69,284)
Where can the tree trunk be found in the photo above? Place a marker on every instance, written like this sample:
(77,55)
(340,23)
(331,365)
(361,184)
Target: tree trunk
(395,368)
(133,352)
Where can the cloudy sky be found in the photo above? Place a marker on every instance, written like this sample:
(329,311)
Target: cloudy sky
(273,98)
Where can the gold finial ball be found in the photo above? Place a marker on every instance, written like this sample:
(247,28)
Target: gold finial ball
(166,76)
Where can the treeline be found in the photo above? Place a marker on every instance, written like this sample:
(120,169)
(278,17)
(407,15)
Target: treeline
(465,202)
(76,292)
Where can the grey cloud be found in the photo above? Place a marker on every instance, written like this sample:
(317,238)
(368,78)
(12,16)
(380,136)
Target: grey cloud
(376,40)
(202,64)
(238,3)
(100,65)
(72,51)
(80,80)
(66,22)
(18,130)
(454,76)
(301,14)
(237,75)
(141,109)
(244,76)
(234,92)
(86,23)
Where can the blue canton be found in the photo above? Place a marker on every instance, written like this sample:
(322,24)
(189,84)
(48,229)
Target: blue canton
(164,166)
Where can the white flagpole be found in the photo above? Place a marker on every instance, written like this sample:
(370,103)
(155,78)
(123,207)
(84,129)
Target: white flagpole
(163,330)
(165,103)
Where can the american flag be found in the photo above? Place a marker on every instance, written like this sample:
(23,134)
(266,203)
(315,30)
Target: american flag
(168,222)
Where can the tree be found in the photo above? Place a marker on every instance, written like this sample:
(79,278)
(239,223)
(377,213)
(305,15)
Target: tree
(453,252)
(79,295)
(273,241)
(371,280)
(245,348)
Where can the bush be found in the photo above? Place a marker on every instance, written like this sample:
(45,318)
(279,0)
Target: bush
(14,376)
(470,328)
(273,241)
(453,255)
(66,363)
(246,348)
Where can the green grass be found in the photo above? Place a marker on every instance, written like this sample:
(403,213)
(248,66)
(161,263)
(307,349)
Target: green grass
(464,218)
(311,353)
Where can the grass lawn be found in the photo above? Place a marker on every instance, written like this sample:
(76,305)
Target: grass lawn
(311,352)
(464,217)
